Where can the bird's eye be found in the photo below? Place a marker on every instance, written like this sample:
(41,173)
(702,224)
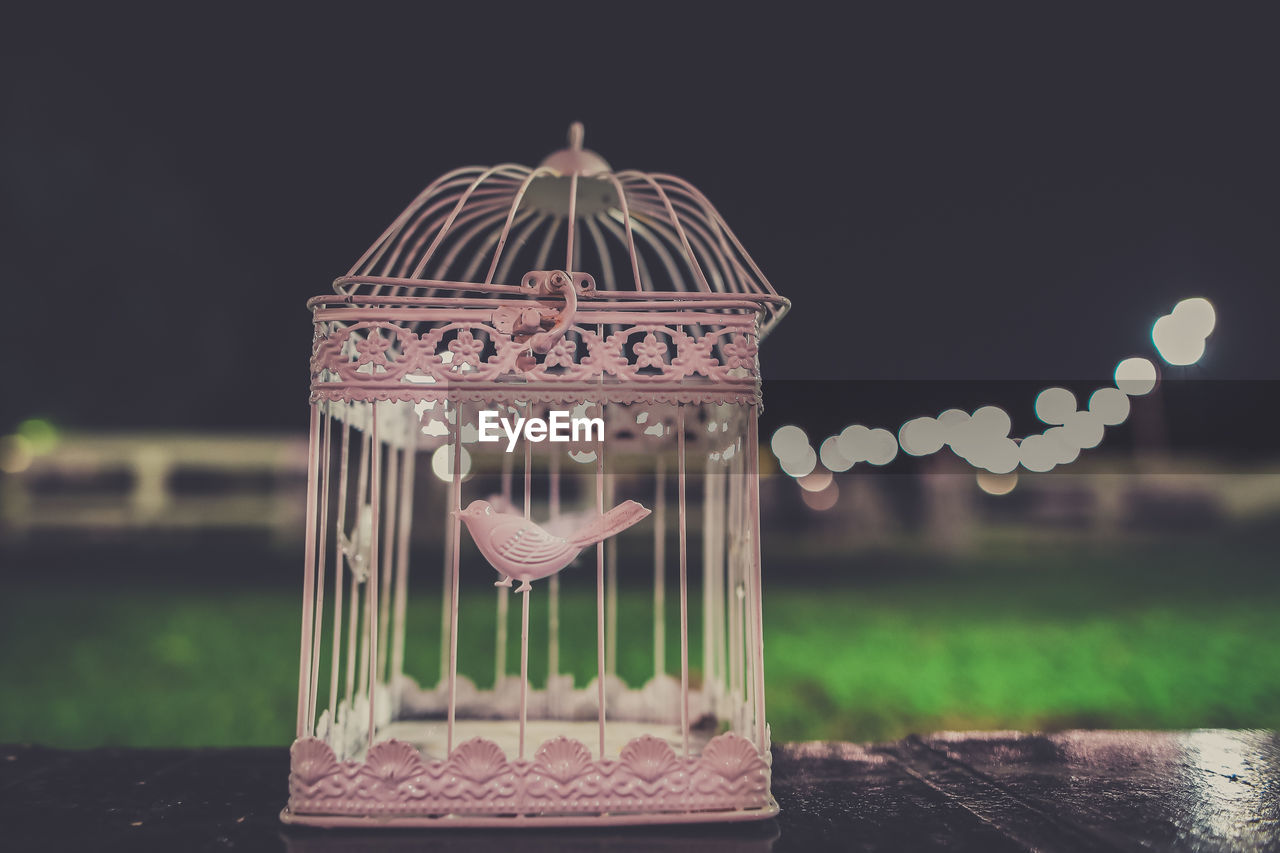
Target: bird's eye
(488,510)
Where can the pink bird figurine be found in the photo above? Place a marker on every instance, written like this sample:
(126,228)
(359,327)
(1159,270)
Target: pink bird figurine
(520,549)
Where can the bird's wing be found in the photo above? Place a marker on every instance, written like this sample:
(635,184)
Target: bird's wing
(524,543)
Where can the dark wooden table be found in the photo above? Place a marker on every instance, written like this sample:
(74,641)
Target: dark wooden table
(1205,790)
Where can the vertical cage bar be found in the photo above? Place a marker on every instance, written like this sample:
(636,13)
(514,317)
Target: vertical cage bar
(503,592)
(446,591)
(390,512)
(524,667)
(611,585)
(528,468)
(757,598)
(553,586)
(732,602)
(660,566)
(323,530)
(709,534)
(524,604)
(357,539)
(600,652)
(718,576)
(340,559)
(309,572)
(353,628)
(454,559)
(408,464)
(371,585)
(684,590)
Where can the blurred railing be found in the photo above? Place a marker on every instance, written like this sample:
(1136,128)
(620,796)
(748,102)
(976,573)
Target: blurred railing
(159,481)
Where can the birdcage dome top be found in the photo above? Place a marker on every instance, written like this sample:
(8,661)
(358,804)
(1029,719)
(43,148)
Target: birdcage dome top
(483,232)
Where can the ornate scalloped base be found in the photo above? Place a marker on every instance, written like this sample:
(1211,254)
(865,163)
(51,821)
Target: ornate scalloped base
(770,809)
(647,783)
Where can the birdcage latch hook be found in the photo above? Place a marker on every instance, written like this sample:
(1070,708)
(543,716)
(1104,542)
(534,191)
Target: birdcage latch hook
(542,328)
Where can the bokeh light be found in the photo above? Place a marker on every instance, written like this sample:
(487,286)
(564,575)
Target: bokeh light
(1111,405)
(1064,449)
(882,447)
(442,462)
(823,500)
(816,480)
(801,463)
(1055,405)
(993,420)
(997,484)
(852,442)
(922,436)
(41,435)
(831,456)
(1198,315)
(788,441)
(1038,453)
(1001,457)
(15,454)
(1084,429)
(1176,344)
(1136,376)
(1180,335)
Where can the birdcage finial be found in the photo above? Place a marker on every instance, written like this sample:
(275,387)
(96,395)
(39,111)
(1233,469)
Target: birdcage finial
(575,158)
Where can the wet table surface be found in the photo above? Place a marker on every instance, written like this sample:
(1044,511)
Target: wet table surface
(1094,790)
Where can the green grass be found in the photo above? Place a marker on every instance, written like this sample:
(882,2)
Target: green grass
(1175,635)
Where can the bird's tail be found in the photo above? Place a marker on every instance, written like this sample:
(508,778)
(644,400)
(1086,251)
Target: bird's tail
(612,522)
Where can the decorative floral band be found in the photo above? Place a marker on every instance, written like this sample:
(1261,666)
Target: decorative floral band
(353,393)
(562,778)
(370,356)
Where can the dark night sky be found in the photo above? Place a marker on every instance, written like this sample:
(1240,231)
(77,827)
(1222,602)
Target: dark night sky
(945,192)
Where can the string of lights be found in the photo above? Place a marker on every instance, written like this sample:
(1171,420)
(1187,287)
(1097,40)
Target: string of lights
(981,437)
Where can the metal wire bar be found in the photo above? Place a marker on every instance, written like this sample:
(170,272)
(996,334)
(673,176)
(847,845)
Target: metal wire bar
(340,562)
(600,654)
(553,585)
(624,211)
(317,630)
(353,631)
(506,228)
(455,522)
(503,593)
(485,217)
(684,587)
(675,220)
(427,224)
(611,584)
(371,585)
(757,610)
(504,269)
(462,201)
(309,572)
(390,498)
(660,565)
(408,464)
(380,245)
(477,257)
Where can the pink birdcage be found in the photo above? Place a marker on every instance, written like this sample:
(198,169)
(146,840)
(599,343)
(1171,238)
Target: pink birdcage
(526,292)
